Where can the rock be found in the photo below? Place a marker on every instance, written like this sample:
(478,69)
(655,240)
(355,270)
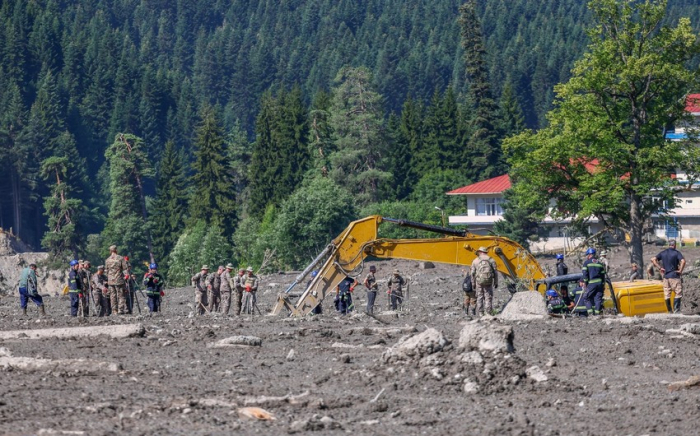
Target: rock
(237,341)
(290,355)
(470,387)
(416,346)
(471,357)
(691,382)
(526,306)
(426,265)
(551,362)
(483,337)
(535,373)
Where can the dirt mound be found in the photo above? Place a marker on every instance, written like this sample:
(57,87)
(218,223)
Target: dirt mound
(14,256)
(10,245)
(524,306)
(482,362)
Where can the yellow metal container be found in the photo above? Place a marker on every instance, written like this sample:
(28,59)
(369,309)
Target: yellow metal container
(639,297)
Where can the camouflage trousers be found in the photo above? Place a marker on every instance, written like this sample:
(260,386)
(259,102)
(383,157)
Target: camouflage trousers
(484,297)
(102,305)
(470,302)
(83,305)
(200,302)
(117,298)
(237,301)
(248,303)
(225,302)
(214,297)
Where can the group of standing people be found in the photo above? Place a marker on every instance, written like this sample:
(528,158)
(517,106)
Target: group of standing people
(213,291)
(587,297)
(112,288)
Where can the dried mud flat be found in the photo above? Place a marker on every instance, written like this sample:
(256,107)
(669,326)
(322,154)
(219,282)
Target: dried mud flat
(602,376)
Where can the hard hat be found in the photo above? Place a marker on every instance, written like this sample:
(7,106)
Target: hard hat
(73,262)
(560,256)
(482,249)
(590,251)
(153,266)
(314,274)
(101,267)
(206,267)
(604,253)
(551,293)
(249,269)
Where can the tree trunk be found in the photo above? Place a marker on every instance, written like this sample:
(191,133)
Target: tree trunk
(636,229)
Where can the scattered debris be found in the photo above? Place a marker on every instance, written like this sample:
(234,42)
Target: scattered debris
(255,413)
(315,423)
(237,341)
(535,373)
(113,331)
(691,382)
(273,401)
(290,355)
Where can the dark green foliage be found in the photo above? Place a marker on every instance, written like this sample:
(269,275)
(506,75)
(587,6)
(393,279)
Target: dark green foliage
(212,198)
(62,238)
(482,150)
(519,223)
(310,218)
(127,227)
(170,205)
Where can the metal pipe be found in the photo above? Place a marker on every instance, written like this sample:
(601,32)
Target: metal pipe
(426,227)
(310,267)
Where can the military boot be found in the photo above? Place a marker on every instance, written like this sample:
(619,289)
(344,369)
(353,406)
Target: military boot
(677,305)
(24,311)
(43,311)
(668,306)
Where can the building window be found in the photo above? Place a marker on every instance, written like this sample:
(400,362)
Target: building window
(489,206)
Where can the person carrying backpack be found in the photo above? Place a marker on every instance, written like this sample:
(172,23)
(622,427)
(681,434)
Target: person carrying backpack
(484,281)
(469,295)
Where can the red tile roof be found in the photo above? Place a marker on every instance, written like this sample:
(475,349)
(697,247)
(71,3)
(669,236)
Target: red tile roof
(490,186)
(692,103)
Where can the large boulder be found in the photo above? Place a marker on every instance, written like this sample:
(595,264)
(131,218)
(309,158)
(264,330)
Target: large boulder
(485,337)
(417,346)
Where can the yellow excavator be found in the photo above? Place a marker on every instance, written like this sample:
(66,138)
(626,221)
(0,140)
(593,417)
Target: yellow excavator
(345,256)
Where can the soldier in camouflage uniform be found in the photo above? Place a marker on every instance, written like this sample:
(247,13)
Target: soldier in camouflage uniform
(227,285)
(251,288)
(213,290)
(130,281)
(101,292)
(199,282)
(86,282)
(372,287)
(116,268)
(239,286)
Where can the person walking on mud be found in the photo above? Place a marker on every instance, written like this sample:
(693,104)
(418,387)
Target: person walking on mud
(594,277)
(372,287)
(199,282)
(116,268)
(75,287)
(396,284)
(671,264)
(28,289)
(101,291)
(227,285)
(153,282)
(484,281)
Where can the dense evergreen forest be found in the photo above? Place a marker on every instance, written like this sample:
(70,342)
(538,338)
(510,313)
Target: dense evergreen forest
(198,130)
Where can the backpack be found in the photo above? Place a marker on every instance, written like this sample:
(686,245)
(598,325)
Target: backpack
(467,284)
(484,273)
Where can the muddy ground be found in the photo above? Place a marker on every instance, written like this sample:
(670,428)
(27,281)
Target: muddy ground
(603,376)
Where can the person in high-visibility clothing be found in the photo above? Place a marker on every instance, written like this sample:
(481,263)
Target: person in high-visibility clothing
(594,277)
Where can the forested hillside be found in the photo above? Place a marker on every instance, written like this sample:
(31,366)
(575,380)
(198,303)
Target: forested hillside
(126,121)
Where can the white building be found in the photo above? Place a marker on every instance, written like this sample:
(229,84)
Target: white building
(484,200)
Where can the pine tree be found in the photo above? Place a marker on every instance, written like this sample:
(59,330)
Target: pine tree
(320,132)
(212,199)
(483,146)
(62,239)
(511,112)
(127,222)
(170,205)
(358,123)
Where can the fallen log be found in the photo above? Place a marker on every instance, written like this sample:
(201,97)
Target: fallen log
(113,331)
(70,365)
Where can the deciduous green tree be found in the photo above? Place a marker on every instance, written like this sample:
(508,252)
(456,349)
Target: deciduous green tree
(604,153)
